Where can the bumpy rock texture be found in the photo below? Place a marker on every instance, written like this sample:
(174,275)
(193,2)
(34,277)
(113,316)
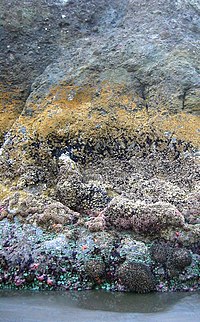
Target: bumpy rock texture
(151,47)
(137,277)
(99,132)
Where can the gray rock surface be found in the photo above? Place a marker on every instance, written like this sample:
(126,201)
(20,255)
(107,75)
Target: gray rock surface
(152,45)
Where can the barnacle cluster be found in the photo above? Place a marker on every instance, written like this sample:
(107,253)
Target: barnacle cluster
(95,269)
(153,218)
(136,277)
(142,217)
(172,256)
(179,259)
(118,213)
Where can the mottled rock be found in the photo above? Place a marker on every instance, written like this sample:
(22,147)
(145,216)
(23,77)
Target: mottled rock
(141,217)
(56,213)
(136,277)
(153,218)
(179,259)
(133,250)
(139,56)
(95,269)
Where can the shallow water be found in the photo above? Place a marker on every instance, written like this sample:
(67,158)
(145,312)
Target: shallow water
(92,306)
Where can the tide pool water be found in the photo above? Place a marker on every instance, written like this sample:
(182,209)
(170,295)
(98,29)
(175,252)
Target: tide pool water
(93,306)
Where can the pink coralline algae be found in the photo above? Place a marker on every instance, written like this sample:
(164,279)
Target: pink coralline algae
(19,281)
(34,266)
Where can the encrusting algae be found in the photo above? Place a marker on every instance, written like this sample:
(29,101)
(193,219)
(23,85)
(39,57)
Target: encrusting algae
(81,116)
(10,108)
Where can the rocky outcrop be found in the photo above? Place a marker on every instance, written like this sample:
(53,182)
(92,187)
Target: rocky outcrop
(99,164)
(141,217)
(32,258)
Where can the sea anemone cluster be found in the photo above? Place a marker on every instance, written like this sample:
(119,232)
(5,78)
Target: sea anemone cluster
(32,258)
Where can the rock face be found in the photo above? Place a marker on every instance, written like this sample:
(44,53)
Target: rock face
(150,47)
(99,125)
(141,217)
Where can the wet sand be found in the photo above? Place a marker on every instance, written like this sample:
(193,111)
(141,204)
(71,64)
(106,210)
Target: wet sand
(92,306)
